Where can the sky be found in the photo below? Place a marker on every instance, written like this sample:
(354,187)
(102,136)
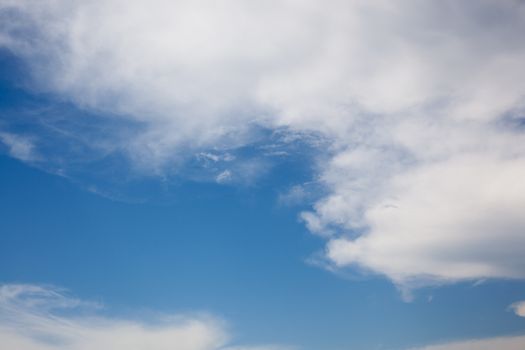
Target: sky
(262,175)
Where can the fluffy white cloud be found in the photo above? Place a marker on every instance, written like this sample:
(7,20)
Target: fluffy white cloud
(42,318)
(456,219)
(500,343)
(202,73)
(422,103)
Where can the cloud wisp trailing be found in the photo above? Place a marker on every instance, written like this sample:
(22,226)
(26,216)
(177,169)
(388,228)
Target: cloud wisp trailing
(422,104)
(34,317)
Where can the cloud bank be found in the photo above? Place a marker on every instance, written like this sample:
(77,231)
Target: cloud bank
(42,318)
(422,104)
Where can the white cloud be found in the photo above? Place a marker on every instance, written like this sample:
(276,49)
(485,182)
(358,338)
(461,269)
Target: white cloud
(519,308)
(452,220)
(42,318)
(444,206)
(422,102)
(500,343)
(203,73)
(19,147)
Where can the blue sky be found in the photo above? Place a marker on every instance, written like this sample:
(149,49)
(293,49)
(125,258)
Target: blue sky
(233,252)
(265,176)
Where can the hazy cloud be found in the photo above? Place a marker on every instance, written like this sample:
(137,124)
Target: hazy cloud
(19,147)
(500,343)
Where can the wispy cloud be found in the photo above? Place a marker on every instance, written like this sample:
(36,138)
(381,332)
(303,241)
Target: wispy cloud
(224,177)
(19,147)
(295,195)
(43,318)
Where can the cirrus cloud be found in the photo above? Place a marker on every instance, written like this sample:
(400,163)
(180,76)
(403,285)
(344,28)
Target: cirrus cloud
(34,317)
